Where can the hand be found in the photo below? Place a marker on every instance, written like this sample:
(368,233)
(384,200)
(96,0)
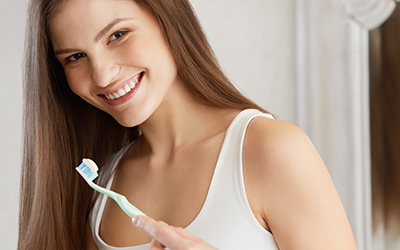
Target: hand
(164,235)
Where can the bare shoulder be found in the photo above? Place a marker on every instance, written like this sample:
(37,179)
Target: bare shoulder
(290,188)
(265,135)
(275,145)
(280,142)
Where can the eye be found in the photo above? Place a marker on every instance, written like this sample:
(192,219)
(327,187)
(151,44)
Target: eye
(75,57)
(117,35)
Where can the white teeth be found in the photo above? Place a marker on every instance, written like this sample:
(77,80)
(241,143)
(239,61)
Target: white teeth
(124,90)
(121,92)
(132,84)
(127,88)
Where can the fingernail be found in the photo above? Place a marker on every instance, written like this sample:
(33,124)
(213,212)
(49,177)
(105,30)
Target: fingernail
(136,221)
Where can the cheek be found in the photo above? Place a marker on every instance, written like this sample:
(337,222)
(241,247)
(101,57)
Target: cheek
(134,52)
(145,50)
(78,81)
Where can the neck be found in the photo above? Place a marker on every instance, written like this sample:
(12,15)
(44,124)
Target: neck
(180,121)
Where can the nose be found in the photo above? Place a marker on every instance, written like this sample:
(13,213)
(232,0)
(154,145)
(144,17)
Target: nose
(103,71)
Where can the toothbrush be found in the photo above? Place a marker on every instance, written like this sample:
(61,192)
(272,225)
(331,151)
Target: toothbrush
(88,170)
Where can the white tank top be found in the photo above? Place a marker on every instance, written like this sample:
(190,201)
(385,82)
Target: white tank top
(225,220)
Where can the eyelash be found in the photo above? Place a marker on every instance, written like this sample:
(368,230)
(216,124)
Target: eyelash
(73,58)
(122,33)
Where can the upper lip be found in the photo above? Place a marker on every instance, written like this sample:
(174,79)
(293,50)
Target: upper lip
(120,85)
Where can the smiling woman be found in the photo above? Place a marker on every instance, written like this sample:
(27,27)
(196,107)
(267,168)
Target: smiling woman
(121,46)
(134,85)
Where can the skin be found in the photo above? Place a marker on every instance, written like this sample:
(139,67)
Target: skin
(168,170)
(166,235)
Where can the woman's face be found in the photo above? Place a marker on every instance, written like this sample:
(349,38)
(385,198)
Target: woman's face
(114,56)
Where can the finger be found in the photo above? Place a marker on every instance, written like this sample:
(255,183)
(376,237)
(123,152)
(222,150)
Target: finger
(155,245)
(182,232)
(160,232)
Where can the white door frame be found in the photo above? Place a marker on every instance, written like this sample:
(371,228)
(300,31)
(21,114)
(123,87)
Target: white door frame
(332,81)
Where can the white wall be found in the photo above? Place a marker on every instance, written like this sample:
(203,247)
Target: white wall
(12,23)
(255,44)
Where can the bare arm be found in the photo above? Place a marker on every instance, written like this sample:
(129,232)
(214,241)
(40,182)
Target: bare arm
(290,189)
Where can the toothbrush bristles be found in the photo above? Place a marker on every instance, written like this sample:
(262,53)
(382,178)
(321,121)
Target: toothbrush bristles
(84,169)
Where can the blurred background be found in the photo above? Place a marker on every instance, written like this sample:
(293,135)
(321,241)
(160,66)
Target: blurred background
(330,67)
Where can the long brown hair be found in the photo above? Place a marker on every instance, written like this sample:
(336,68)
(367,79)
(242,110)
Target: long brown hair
(385,123)
(60,128)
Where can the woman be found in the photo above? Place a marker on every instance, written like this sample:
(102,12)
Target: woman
(187,147)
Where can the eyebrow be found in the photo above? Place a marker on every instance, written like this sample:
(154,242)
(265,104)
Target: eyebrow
(97,38)
(64,51)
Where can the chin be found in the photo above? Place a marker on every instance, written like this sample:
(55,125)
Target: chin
(130,121)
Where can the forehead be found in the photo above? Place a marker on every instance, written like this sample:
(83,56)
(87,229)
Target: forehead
(85,18)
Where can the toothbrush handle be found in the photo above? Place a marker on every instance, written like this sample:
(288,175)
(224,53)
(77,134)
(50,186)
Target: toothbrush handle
(122,201)
(127,207)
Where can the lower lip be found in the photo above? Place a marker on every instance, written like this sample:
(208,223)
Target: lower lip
(126,97)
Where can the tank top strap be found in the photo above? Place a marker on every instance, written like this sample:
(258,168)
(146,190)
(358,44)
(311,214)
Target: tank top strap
(233,144)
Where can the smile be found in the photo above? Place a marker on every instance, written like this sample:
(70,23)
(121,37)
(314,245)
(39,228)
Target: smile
(125,88)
